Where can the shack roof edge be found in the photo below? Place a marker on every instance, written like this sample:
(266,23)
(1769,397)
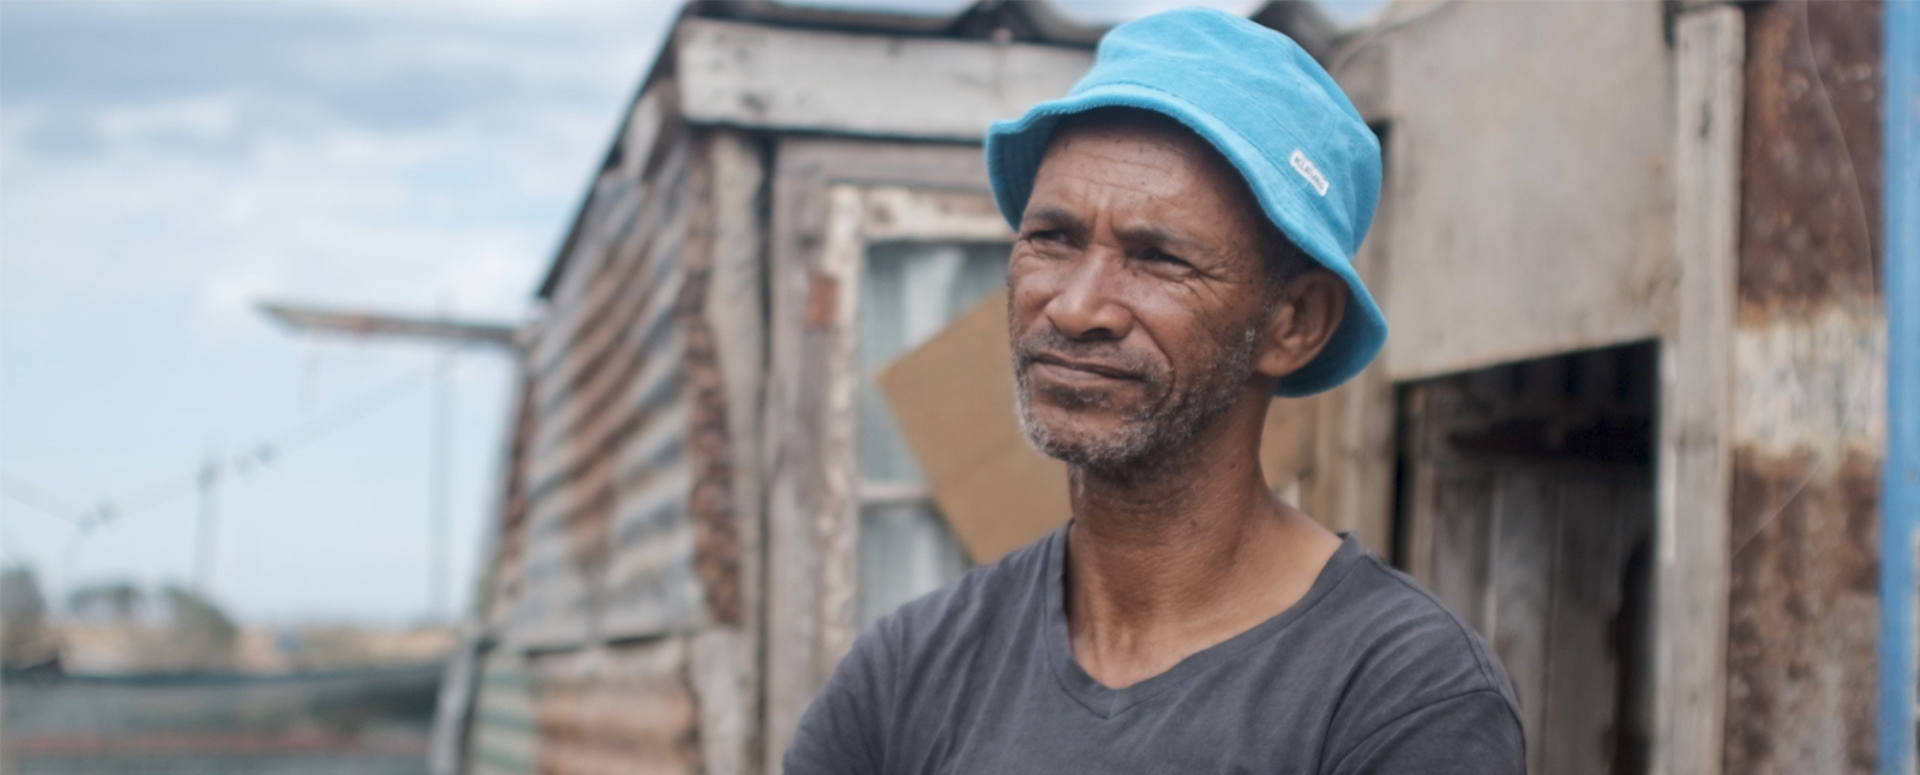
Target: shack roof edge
(1027,21)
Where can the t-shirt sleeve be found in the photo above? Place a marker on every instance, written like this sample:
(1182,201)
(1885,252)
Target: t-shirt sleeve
(840,732)
(1468,734)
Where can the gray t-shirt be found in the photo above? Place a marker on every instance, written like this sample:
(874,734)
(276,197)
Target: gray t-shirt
(1368,673)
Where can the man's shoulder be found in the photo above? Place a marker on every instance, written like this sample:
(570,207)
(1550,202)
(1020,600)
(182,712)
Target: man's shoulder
(988,599)
(1403,642)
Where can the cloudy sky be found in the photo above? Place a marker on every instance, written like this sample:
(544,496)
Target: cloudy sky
(164,165)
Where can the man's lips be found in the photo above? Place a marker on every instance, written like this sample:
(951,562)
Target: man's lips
(1070,370)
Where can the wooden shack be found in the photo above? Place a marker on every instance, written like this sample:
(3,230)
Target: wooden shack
(675,565)
(1631,419)
(1629,422)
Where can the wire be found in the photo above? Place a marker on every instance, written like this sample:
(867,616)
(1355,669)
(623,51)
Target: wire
(15,489)
(258,455)
(1840,135)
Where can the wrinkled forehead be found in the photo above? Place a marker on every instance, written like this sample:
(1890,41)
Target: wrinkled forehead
(1209,167)
(1153,129)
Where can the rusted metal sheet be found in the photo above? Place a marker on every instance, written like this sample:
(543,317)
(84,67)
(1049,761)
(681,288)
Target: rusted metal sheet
(610,549)
(616,710)
(1800,647)
(1810,224)
(1808,419)
(621,524)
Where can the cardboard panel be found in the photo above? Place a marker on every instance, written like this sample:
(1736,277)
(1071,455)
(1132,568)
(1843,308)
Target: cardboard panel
(953,397)
(954,400)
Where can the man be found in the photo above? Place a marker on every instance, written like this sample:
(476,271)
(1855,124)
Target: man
(1186,221)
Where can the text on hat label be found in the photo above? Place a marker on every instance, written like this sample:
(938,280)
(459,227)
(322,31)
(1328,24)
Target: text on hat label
(1304,166)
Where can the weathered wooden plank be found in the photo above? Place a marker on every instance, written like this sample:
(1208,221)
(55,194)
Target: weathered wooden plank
(1693,472)
(710,505)
(1577,734)
(763,77)
(725,670)
(1545,189)
(1460,572)
(1526,520)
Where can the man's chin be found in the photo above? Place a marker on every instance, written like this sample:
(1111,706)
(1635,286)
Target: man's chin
(1081,437)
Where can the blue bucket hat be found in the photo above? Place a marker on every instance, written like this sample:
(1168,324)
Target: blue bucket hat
(1275,115)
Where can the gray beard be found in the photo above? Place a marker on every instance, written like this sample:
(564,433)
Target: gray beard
(1153,433)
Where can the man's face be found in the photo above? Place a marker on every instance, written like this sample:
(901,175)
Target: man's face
(1138,295)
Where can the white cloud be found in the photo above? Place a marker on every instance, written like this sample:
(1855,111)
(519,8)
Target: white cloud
(168,164)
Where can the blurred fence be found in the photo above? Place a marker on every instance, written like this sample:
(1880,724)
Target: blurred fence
(366,722)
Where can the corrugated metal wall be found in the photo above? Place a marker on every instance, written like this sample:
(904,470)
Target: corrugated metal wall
(617,599)
(504,740)
(609,551)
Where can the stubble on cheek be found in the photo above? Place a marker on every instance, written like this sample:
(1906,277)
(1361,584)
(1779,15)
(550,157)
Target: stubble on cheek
(1166,416)
(1068,437)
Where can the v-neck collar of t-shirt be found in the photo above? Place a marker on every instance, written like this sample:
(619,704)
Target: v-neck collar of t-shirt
(1107,702)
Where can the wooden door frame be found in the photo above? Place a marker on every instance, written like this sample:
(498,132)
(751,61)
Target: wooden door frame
(812,506)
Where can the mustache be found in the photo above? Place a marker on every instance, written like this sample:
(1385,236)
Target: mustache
(1108,354)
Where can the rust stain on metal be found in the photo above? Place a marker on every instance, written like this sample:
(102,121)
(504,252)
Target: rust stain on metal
(1810,225)
(823,301)
(620,709)
(1803,614)
(1803,542)
(716,537)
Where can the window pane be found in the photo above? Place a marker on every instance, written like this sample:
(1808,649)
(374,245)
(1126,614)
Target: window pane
(910,291)
(905,552)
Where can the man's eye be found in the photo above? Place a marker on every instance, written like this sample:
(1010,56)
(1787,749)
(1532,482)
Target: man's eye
(1046,235)
(1163,257)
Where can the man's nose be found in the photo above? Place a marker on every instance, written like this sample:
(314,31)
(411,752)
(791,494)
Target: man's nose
(1088,305)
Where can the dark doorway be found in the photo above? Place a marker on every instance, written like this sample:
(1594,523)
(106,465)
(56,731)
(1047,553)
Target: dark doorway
(1526,502)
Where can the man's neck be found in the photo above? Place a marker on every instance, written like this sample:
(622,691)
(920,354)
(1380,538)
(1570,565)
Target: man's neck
(1171,557)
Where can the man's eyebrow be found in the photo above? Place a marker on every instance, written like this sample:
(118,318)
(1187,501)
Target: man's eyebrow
(1061,218)
(1154,235)
(1058,217)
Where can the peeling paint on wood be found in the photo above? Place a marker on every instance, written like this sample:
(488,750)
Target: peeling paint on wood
(1812,383)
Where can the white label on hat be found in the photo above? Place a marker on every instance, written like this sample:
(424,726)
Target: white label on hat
(1304,166)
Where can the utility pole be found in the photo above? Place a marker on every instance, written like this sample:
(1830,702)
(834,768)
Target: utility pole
(441,528)
(205,547)
(450,335)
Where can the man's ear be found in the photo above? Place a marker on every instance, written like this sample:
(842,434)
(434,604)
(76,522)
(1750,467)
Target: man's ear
(1310,309)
